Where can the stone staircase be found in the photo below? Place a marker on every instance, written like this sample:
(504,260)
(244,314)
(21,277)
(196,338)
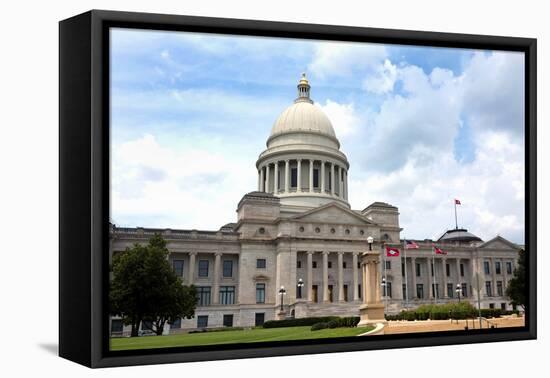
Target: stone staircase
(333,309)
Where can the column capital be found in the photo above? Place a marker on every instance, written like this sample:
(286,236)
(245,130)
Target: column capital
(192,253)
(340,253)
(218,254)
(287,160)
(325,252)
(356,253)
(310,252)
(299,160)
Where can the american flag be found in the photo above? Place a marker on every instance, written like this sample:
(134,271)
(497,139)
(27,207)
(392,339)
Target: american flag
(409,244)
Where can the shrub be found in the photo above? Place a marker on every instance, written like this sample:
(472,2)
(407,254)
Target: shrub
(334,323)
(298,322)
(318,326)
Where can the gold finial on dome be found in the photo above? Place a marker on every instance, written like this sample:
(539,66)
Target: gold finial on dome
(303,90)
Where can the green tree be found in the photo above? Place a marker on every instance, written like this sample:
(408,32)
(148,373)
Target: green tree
(516,290)
(145,288)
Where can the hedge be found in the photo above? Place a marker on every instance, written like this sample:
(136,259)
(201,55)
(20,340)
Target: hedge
(348,322)
(462,310)
(298,322)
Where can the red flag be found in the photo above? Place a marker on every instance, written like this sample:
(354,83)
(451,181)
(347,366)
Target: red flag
(392,252)
(457,202)
(438,251)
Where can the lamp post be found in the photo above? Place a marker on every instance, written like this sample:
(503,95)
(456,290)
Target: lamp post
(282,292)
(458,291)
(300,285)
(370,239)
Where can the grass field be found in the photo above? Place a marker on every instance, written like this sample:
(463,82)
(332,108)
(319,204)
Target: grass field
(235,336)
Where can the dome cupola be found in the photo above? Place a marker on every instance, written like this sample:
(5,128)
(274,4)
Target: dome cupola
(303,164)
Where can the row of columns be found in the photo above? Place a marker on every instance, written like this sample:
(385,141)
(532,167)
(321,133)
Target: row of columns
(341,296)
(444,281)
(216,274)
(264,178)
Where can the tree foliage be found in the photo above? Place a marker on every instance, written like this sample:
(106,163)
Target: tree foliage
(516,289)
(144,288)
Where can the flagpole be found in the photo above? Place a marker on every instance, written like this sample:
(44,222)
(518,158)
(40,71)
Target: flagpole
(406,280)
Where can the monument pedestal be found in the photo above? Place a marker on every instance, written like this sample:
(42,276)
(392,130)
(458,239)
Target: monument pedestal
(281,315)
(371,313)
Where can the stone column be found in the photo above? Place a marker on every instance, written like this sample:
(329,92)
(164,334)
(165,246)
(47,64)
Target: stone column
(287,179)
(276,177)
(262,180)
(332,178)
(325,277)
(341,276)
(310,276)
(267,178)
(444,274)
(377,282)
(259,181)
(323,176)
(413,278)
(192,256)
(493,277)
(340,182)
(504,275)
(216,285)
(345,184)
(299,183)
(355,278)
(366,284)
(310,175)
(430,277)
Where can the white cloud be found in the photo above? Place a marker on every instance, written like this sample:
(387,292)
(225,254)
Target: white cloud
(342,116)
(383,79)
(165,187)
(337,59)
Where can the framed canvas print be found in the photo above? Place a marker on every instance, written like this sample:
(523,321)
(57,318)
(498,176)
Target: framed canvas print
(234,188)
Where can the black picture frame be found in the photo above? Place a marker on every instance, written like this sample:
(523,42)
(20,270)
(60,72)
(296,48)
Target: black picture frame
(84,184)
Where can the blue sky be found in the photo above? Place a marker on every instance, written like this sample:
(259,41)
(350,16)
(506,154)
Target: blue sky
(420,126)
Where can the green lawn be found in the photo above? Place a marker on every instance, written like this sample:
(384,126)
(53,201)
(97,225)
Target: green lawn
(228,337)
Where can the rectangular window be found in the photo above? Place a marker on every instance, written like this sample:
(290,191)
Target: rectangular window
(450,290)
(178,267)
(403,268)
(227,268)
(464,290)
(345,293)
(260,263)
(293,177)
(388,289)
(359,291)
(330,264)
(176,324)
(497,267)
(404,290)
(203,295)
(260,293)
(488,290)
(315,178)
(508,267)
(259,319)
(117,326)
(315,293)
(420,291)
(491,305)
(228,320)
(500,291)
(358,265)
(227,295)
(432,269)
(202,321)
(417,267)
(147,325)
(503,306)
(486,267)
(298,264)
(344,265)
(314,264)
(448,270)
(203,268)
(461,270)
(388,265)
(435,290)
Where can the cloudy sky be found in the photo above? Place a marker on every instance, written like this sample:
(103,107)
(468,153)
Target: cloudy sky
(420,126)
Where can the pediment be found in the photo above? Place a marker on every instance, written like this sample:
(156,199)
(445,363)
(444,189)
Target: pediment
(333,213)
(499,243)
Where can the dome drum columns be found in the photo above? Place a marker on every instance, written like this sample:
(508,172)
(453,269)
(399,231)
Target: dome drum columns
(303,176)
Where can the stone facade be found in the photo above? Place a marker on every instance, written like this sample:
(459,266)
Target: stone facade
(298,232)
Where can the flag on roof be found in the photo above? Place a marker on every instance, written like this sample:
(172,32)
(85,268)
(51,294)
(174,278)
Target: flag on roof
(409,244)
(439,251)
(457,202)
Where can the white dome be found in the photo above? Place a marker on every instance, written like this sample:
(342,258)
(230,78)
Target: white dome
(303,116)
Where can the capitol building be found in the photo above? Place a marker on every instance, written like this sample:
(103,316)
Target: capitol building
(297,231)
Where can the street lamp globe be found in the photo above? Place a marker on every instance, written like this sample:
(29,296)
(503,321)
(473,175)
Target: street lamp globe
(370,240)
